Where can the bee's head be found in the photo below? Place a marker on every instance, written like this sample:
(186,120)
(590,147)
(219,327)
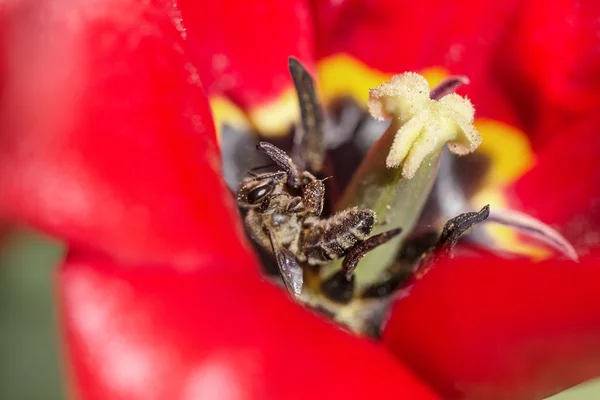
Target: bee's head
(254,190)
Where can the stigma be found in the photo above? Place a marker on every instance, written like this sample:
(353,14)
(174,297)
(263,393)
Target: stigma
(423,123)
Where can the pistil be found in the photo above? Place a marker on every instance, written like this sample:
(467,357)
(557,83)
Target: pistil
(397,175)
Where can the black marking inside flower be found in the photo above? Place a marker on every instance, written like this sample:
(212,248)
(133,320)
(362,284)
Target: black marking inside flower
(300,243)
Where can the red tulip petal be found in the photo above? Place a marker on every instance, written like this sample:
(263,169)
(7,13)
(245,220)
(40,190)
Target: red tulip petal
(530,64)
(106,135)
(158,333)
(242,49)
(396,36)
(564,187)
(497,329)
(554,63)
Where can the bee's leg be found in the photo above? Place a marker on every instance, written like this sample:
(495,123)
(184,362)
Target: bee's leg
(303,204)
(295,205)
(267,202)
(314,197)
(267,175)
(307,178)
(358,251)
(384,222)
(254,169)
(264,205)
(283,161)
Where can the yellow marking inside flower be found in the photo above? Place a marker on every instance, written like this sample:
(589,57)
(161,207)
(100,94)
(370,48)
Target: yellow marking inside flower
(511,156)
(226,112)
(508,148)
(271,119)
(276,117)
(435,75)
(341,75)
(505,237)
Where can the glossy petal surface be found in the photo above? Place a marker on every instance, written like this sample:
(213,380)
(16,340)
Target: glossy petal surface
(530,64)
(552,64)
(106,140)
(563,189)
(150,333)
(242,48)
(534,66)
(497,329)
(106,136)
(398,36)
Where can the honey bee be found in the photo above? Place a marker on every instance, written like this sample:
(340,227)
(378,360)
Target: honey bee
(284,217)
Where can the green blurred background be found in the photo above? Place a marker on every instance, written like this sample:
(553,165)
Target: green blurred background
(30,366)
(29,346)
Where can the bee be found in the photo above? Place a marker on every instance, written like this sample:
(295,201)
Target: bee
(284,217)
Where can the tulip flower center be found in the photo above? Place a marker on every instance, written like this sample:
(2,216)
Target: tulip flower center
(311,238)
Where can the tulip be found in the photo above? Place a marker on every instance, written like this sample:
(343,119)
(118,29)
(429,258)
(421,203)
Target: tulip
(108,142)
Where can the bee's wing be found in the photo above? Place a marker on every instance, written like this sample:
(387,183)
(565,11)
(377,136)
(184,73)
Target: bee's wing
(290,270)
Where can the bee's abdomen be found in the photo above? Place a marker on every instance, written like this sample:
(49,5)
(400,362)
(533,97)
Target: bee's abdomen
(332,238)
